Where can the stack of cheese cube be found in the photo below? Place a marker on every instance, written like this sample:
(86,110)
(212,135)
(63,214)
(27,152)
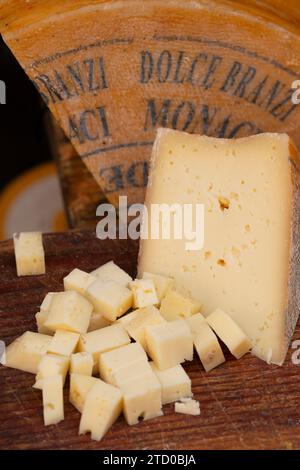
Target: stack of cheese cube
(104,323)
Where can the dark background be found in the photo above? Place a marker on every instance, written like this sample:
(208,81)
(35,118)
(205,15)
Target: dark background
(22,134)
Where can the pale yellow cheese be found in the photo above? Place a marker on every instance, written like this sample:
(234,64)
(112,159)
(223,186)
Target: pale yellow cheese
(69,311)
(188,407)
(97,321)
(111,272)
(229,332)
(102,407)
(134,370)
(45,305)
(162,283)
(80,385)
(109,298)
(176,305)
(29,253)
(100,341)
(142,398)
(121,358)
(63,343)
(126,319)
(82,363)
(26,351)
(78,280)
(50,365)
(144,293)
(175,383)
(248,265)
(145,316)
(53,402)
(169,344)
(206,343)
(40,318)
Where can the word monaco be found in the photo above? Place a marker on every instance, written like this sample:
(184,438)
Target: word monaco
(161,222)
(151,459)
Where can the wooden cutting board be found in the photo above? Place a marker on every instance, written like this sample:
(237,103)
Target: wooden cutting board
(245,404)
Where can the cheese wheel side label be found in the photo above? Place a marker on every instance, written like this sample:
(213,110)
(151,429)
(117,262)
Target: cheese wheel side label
(112,75)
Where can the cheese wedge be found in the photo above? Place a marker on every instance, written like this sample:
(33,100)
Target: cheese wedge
(249,264)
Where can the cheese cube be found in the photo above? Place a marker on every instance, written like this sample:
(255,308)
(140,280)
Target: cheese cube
(78,280)
(169,344)
(109,298)
(80,385)
(102,407)
(175,383)
(145,316)
(229,332)
(29,253)
(69,311)
(188,407)
(40,318)
(142,398)
(45,305)
(134,370)
(144,293)
(53,401)
(100,341)
(161,283)
(63,343)
(175,305)
(206,343)
(82,363)
(111,272)
(126,319)
(249,263)
(50,365)
(97,321)
(112,361)
(25,352)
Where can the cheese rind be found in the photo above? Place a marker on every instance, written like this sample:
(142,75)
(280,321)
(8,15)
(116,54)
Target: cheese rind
(145,316)
(69,311)
(176,305)
(26,351)
(206,343)
(109,298)
(250,189)
(144,293)
(169,344)
(81,363)
(111,272)
(29,253)
(53,402)
(175,383)
(80,385)
(78,280)
(229,332)
(63,343)
(102,407)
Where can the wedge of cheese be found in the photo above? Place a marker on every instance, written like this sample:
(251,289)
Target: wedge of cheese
(249,264)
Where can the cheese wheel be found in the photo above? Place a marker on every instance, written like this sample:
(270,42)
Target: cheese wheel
(113,71)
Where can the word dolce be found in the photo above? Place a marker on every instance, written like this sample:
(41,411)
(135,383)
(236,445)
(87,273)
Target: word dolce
(159,221)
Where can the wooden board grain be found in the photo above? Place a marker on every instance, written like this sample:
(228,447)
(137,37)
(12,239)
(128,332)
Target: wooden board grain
(245,404)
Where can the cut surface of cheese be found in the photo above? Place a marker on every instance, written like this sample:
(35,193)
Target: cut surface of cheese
(175,383)
(145,316)
(40,318)
(162,283)
(229,332)
(26,351)
(80,385)
(109,298)
(102,406)
(63,343)
(176,305)
(50,365)
(78,280)
(188,407)
(206,343)
(53,401)
(248,265)
(29,253)
(169,344)
(97,321)
(69,311)
(81,363)
(111,272)
(144,293)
